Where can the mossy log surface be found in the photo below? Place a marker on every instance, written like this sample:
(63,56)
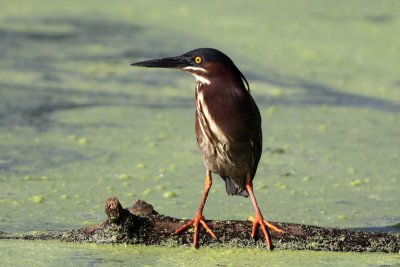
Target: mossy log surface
(141,224)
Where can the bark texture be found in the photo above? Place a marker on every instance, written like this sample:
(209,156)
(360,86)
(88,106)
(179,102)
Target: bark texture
(141,224)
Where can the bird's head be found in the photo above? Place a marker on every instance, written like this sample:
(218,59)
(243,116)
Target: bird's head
(205,64)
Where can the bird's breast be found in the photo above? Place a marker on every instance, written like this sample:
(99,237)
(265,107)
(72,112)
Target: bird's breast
(208,126)
(226,129)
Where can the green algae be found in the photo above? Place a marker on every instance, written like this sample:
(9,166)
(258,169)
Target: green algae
(51,253)
(325,76)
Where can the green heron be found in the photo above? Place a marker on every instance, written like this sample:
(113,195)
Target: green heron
(228,128)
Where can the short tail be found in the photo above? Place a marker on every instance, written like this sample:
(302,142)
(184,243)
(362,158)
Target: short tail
(234,189)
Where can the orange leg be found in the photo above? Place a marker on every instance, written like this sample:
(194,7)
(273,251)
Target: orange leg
(259,219)
(199,218)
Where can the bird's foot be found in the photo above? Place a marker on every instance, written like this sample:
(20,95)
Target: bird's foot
(260,221)
(196,221)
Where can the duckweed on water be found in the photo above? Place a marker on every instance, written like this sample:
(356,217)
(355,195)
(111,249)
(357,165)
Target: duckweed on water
(124,176)
(38,199)
(83,141)
(140,165)
(325,78)
(160,187)
(129,194)
(359,182)
(170,194)
(64,196)
(147,191)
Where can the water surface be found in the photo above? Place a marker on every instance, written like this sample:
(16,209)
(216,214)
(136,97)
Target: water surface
(78,125)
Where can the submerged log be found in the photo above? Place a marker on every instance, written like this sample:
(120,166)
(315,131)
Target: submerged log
(141,224)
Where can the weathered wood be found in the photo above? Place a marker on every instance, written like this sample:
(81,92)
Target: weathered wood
(141,224)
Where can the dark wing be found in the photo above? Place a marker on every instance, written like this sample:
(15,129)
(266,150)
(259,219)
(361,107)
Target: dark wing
(257,150)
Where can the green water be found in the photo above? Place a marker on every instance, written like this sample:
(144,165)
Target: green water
(78,125)
(22,253)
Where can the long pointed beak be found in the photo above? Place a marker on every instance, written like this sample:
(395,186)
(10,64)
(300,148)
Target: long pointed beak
(169,62)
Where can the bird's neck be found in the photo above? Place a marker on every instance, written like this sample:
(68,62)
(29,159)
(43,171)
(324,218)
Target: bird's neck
(199,88)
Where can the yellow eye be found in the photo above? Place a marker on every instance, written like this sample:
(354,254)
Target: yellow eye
(197,60)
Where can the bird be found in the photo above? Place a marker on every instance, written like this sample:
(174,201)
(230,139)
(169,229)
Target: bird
(228,130)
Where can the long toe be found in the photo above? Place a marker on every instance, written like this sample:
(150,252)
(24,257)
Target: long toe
(259,221)
(265,225)
(196,222)
(273,227)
